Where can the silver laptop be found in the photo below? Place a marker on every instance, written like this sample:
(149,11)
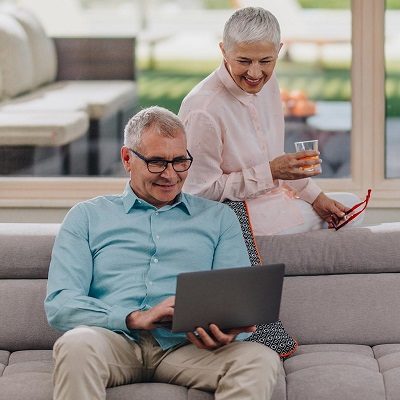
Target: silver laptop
(229,298)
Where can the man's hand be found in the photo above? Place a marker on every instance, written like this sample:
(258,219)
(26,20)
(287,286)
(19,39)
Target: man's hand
(215,338)
(326,207)
(290,166)
(147,320)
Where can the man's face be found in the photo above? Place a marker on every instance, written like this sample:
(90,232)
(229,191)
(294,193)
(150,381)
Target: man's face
(250,64)
(158,189)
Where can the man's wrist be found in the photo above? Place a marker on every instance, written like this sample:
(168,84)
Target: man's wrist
(132,320)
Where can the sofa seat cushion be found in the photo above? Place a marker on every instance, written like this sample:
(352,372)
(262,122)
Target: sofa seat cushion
(28,376)
(98,98)
(149,391)
(4,355)
(103,97)
(52,97)
(334,371)
(388,356)
(42,128)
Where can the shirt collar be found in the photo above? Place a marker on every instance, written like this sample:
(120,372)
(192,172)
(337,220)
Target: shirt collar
(232,87)
(131,200)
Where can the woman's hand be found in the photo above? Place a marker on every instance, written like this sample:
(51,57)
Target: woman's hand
(326,207)
(291,166)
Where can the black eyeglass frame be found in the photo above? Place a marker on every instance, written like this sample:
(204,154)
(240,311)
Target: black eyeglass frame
(166,162)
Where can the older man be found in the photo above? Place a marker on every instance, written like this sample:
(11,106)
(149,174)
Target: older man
(235,127)
(113,275)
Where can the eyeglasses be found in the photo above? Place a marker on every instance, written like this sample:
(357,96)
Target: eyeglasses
(354,212)
(156,166)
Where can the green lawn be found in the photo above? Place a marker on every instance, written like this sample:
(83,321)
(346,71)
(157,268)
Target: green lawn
(340,4)
(170,81)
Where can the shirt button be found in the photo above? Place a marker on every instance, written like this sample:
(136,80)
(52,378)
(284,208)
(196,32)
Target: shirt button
(156,260)
(156,212)
(157,237)
(150,283)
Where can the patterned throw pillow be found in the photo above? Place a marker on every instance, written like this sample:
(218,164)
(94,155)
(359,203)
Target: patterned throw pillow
(272,335)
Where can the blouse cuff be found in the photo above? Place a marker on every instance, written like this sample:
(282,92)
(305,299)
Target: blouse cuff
(263,175)
(310,192)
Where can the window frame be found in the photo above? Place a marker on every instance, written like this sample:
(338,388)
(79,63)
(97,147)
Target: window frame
(367,135)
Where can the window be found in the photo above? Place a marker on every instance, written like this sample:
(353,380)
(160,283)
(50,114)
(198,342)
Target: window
(370,159)
(315,80)
(392,91)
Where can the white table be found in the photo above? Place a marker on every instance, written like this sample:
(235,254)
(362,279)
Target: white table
(331,116)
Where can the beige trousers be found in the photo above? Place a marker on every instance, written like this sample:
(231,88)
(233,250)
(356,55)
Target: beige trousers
(89,359)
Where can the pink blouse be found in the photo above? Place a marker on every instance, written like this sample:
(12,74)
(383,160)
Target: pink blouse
(232,136)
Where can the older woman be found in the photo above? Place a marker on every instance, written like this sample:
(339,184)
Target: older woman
(235,128)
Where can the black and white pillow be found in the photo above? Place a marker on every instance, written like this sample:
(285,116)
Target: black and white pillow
(272,335)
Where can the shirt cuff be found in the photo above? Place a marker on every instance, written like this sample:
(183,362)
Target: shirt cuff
(117,318)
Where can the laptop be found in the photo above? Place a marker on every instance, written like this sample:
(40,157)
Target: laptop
(229,298)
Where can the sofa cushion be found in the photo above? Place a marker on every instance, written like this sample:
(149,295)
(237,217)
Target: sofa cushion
(148,391)
(103,97)
(49,98)
(16,64)
(98,98)
(29,361)
(331,372)
(388,356)
(42,48)
(1,84)
(4,355)
(326,251)
(28,376)
(30,261)
(42,129)
(23,322)
(351,308)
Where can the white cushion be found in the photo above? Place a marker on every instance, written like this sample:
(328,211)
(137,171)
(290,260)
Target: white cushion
(42,129)
(103,97)
(53,97)
(1,84)
(42,47)
(98,98)
(16,65)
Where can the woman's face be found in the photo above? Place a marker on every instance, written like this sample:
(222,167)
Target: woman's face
(250,64)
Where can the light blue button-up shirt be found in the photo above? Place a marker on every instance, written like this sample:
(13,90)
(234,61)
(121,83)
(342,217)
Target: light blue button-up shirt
(117,254)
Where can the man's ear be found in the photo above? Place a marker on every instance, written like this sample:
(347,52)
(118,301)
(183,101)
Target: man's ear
(126,158)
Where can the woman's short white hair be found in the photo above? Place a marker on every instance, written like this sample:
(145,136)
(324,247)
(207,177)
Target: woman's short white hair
(249,25)
(161,120)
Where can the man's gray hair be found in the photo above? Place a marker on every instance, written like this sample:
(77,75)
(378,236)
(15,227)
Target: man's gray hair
(249,25)
(161,120)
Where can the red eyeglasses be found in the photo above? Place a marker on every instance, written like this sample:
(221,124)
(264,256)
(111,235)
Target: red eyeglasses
(354,212)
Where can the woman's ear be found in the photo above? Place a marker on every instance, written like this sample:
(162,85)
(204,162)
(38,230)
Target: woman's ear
(221,46)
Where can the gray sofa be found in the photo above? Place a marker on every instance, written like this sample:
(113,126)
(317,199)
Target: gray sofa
(341,300)
(63,101)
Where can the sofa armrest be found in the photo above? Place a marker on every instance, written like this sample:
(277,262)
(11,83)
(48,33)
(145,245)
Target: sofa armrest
(95,58)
